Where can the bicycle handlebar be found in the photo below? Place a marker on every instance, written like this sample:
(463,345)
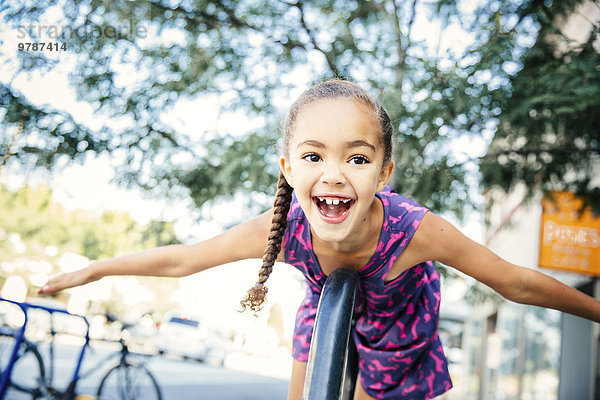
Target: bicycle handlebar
(327,359)
(24,306)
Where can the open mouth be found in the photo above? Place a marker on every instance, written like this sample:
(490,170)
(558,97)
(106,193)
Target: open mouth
(333,209)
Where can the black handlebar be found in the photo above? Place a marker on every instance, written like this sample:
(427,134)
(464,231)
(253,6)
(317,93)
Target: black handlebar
(328,365)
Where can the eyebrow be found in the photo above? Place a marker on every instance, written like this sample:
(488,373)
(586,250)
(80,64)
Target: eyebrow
(360,143)
(313,143)
(351,144)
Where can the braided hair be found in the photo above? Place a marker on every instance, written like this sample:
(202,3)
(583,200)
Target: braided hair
(256,294)
(331,89)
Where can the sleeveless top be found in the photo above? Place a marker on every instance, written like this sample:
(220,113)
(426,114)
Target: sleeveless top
(395,327)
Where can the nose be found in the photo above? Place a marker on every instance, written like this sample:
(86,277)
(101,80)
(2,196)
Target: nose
(332,174)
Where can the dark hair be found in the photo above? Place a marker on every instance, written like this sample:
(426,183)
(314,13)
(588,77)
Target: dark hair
(336,89)
(331,89)
(256,294)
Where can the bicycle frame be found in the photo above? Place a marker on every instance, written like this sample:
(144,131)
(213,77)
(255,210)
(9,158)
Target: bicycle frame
(121,355)
(25,307)
(13,356)
(332,360)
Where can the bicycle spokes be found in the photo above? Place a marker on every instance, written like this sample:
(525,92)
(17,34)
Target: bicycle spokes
(129,381)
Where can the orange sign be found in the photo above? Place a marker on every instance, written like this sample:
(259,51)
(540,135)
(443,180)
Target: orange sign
(569,241)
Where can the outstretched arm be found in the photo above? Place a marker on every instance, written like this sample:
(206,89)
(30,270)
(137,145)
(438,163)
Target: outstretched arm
(519,284)
(246,240)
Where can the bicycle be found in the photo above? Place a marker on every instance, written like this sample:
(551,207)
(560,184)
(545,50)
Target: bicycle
(20,379)
(27,369)
(128,379)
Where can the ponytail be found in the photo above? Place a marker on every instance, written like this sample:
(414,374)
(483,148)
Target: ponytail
(255,297)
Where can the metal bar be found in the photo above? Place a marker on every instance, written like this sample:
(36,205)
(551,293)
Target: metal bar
(53,310)
(351,372)
(19,338)
(328,356)
(20,333)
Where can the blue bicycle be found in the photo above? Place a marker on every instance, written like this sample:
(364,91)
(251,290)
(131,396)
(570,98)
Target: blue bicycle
(26,366)
(24,376)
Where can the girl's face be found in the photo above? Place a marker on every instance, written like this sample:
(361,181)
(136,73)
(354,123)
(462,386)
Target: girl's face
(335,165)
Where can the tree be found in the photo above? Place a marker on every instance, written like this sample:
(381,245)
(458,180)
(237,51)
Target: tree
(548,134)
(36,232)
(136,62)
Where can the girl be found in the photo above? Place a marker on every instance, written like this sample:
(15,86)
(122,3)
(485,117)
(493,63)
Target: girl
(337,148)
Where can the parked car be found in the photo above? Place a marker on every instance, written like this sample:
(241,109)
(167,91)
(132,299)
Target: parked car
(141,335)
(191,338)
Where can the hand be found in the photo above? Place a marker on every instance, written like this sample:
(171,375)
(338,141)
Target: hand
(64,281)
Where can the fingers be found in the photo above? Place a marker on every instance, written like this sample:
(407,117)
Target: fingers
(47,288)
(67,280)
(56,284)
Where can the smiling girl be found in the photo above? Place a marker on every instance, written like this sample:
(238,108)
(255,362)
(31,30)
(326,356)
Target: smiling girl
(333,209)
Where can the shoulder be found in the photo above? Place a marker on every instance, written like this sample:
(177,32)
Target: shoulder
(427,230)
(253,236)
(295,217)
(456,250)
(295,212)
(401,213)
(450,244)
(398,202)
(248,240)
(296,224)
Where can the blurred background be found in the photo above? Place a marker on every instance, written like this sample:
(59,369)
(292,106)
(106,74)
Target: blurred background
(147,123)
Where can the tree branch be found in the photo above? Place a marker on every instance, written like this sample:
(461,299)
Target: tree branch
(9,153)
(555,150)
(313,40)
(190,16)
(402,41)
(232,20)
(165,135)
(399,39)
(411,22)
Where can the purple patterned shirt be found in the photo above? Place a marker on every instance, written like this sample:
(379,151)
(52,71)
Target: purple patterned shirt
(395,333)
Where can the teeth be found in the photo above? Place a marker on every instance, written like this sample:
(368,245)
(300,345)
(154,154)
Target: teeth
(334,202)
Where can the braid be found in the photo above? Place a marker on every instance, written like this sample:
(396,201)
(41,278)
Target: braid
(255,297)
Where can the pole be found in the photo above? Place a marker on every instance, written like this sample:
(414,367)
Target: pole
(328,355)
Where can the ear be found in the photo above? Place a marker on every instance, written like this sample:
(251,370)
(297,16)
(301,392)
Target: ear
(385,175)
(287,170)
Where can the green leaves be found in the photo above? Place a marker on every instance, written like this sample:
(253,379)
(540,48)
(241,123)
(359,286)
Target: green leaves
(548,135)
(39,221)
(507,80)
(36,233)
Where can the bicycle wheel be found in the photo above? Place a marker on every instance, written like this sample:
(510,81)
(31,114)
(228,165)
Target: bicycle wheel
(129,380)
(28,371)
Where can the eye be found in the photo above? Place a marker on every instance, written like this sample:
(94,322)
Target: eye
(359,160)
(312,157)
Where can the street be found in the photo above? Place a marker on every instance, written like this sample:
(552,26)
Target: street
(178,379)
(181,379)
